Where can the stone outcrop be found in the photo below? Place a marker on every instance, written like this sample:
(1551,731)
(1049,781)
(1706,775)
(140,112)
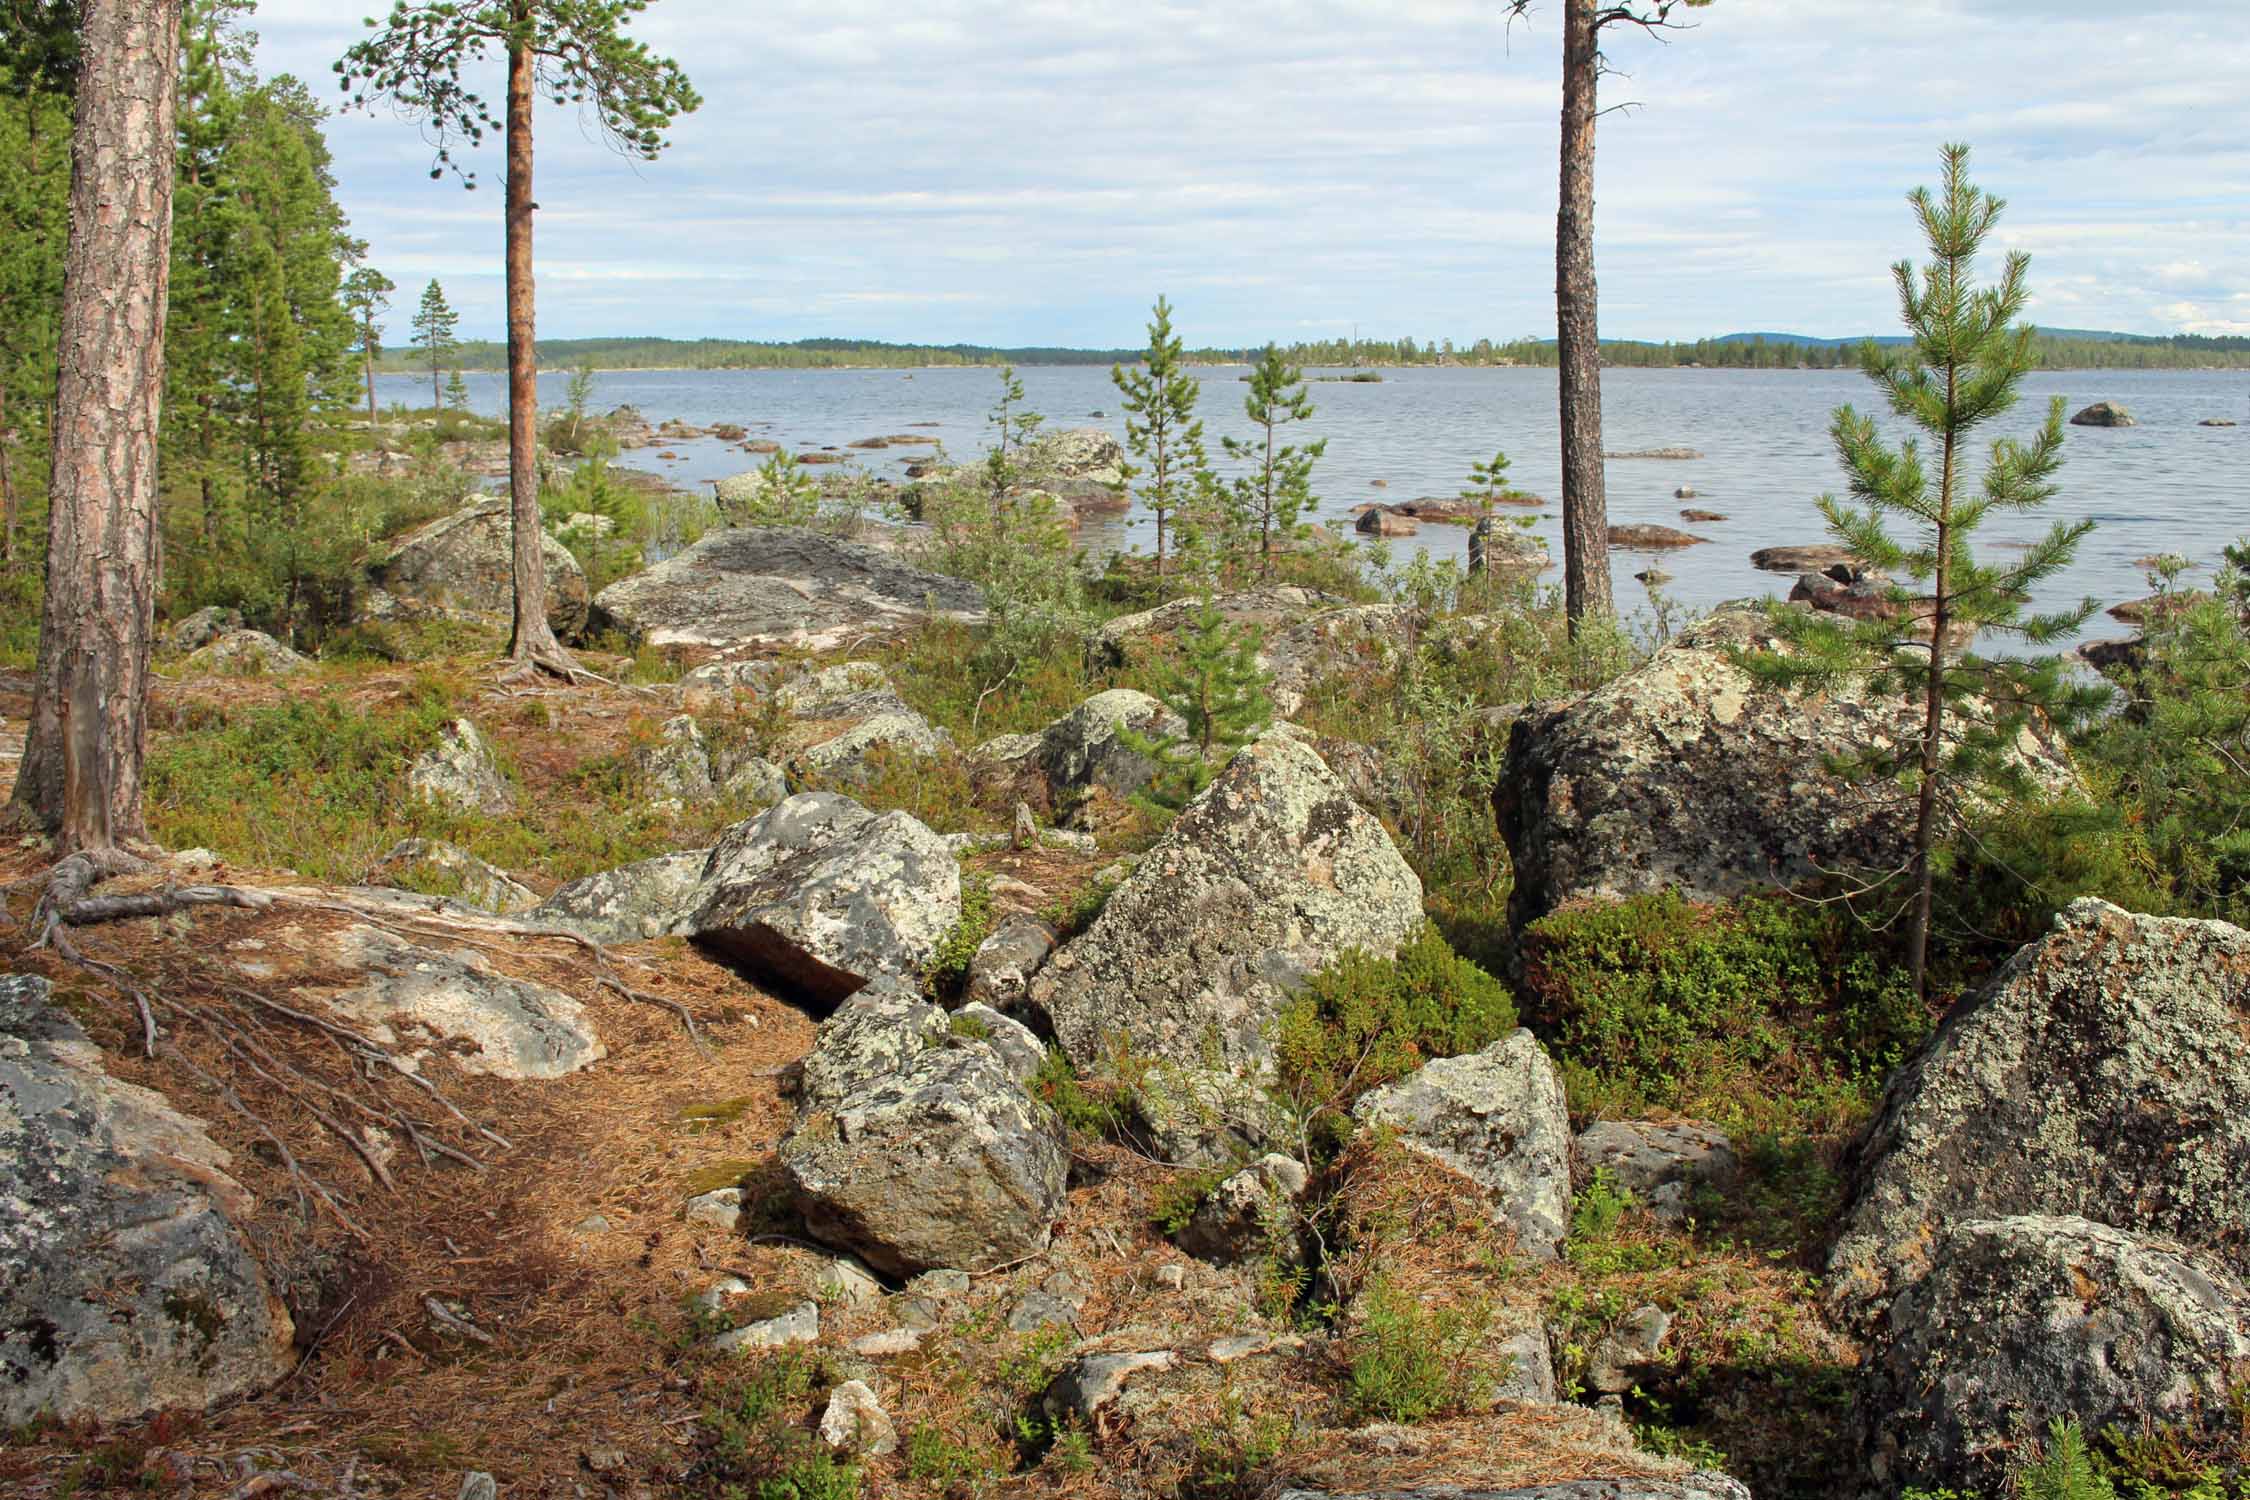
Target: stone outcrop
(247,653)
(2023,1320)
(460,774)
(1688,774)
(1498,1118)
(435,867)
(125,1284)
(650,899)
(195,631)
(1665,1167)
(1259,883)
(915,1148)
(779,585)
(819,895)
(463,565)
(2102,1073)
(1268,611)
(1086,748)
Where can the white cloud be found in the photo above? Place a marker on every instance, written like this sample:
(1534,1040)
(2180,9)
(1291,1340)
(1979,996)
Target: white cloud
(1037,170)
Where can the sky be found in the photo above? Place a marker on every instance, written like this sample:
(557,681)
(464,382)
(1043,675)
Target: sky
(1036,172)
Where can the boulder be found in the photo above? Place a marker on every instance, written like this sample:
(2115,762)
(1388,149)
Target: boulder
(437,868)
(200,629)
(1352,639)
(1688,774)
(460,774)
(2158,607)
(2217,422)
(1817,558)
(2104,414)
(1086,748)
(678,765)
(1664,1167)
(855,1422)
(1861,594)
(2101,1073)
(483,1020)
(1018,1048)
(847,758)
(247,653)
(1266,610)
(2021,1320)
(1260,882)
(819,895)
(1498,1118)
(1252,1215)
(1001,970)
(646,900)
(464,565)
(915,1149)
(126,1286)
(1463,510)
(779,585)
(1383,521)
(1648,538)
(1616,1363)
(1699,517)
(1076,453)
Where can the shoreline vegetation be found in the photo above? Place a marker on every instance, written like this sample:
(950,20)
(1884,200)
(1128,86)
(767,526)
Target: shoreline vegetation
(2054,349)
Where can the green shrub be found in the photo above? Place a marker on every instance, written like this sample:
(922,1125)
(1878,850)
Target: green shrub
(1082,1112)
(1411,1362)
(1365,1021)
(1766,1014)
(2062,1469)
(758,1447)
(948,969)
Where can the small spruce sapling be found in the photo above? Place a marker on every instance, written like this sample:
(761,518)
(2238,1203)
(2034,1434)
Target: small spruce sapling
(1489,487)
(1962,369)
(1273,496)
(1218,689)
(456,393)
(1161,429)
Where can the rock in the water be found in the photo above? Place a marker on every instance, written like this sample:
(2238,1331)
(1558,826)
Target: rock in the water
(1678,455)
(820,895)
(2102,1073)
(2217,422)
(1648,538)
(1262,881)
(464,565)
(646,900)
(483,1020)
(247,653)
(2022,1320)
(779,585)
(914,1149)
(1498,1118)
(125,1285)
(2104,414)
(460,773)
(1381,520)
(1001,969)
(1815,558)
(1250,1215)
(1689,775)
(1664,1167)
(195,631)
(437,868)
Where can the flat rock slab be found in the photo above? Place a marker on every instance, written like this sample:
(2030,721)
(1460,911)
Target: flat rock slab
(779,585)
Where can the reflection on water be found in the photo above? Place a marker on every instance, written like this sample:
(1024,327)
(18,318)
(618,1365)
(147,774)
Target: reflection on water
(2167,485)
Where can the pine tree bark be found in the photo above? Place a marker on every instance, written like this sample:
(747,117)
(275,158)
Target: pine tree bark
(532,642)
(81,772)
(1585,499)
(11,511)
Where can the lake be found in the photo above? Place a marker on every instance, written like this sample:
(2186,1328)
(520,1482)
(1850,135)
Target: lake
(2167,485)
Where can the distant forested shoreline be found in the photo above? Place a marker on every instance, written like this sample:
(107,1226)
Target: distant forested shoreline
(2056,351)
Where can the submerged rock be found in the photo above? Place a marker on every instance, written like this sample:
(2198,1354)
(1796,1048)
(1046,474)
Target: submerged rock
(125,1284)
(779,585)
(1648,538)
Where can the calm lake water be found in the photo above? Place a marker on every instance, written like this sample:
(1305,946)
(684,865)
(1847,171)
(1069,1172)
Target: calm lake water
(2167,485)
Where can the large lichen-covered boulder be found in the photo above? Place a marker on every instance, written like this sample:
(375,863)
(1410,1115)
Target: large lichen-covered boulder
(464,564)
(125,1284)
(1268,611)
(915,1148)
(1259,883)
(2103,1073)
(2020,1321)
(649,899)
(819,895)
(1689,775)
(1089,747)
(1498,1117)
(779,585)
(247,653)
(460,773)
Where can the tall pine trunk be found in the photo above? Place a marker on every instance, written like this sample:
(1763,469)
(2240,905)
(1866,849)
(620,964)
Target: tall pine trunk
(368,347)
(81,770)
(1585,501)
(11,511)
(532,641)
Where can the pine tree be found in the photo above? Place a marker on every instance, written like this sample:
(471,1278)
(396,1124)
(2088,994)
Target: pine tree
(1160,427)
(1488,484)
(1015,424)
(1273,496)
(575,52)
(1962,369)
(456,392)
(434,322)
(367,296)
(1218,689)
